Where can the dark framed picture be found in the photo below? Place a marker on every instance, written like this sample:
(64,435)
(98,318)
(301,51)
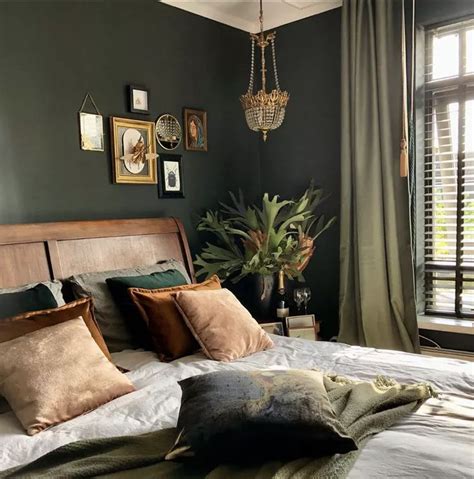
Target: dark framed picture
(133,151)
(171,176)
(139,99)
(195,130)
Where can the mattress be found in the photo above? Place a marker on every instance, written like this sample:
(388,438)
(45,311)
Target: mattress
(435,442)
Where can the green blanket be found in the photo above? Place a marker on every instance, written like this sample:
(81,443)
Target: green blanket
(363,408)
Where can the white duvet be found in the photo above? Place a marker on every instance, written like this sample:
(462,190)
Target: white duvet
(435,442)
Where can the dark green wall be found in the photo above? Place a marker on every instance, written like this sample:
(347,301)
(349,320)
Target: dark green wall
(52,53)
(436,11)
(307,145)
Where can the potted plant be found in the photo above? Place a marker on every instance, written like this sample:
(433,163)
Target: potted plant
(254,244)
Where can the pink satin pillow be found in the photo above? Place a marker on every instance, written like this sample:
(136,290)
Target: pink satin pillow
(221,324)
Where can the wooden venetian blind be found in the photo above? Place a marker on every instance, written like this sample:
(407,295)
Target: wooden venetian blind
(449,170)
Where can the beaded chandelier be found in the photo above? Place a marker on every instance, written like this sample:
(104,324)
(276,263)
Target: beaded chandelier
(264,111)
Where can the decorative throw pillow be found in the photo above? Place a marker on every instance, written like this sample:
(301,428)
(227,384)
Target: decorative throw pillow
(54,286)
(242,416)
(22,324)
(221,324)
(113,325)
(37,298)
(119,289)
(63,375)
(170,336)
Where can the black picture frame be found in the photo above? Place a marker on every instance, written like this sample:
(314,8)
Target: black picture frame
(167,176)
(133,109)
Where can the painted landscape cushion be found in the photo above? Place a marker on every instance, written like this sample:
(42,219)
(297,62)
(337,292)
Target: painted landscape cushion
(247,416)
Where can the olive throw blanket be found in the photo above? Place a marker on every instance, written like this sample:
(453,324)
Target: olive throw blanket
(363,408)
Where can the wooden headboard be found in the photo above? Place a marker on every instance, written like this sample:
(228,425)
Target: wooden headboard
(43,251)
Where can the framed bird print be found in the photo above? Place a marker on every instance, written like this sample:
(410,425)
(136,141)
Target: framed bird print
(171,177)
(195,130)
(134,151)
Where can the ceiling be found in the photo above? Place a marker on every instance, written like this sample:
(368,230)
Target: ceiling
(243,14)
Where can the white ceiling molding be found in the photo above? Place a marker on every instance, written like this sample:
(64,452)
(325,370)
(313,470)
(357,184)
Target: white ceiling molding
(243,14)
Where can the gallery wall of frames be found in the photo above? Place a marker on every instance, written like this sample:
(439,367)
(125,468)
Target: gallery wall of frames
(164,135)
(134,154)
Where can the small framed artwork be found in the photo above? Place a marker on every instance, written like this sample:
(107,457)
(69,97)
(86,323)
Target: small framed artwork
(171,174)
(195,130)
(139,99)
(92,131)
(273,328)
(301,321)
(303,333)
(133,151)
(302,326)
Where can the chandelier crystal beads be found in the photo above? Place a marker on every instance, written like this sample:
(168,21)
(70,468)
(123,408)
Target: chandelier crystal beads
(264,111)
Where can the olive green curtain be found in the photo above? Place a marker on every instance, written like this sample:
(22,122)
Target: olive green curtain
(377,297)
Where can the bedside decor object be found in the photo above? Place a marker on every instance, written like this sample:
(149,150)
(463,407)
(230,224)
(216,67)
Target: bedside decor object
(302,296)
(168,132)
(195,130)
(264,111)
(302,326)
(139,99)
(274,328)
(134,151)
(171,177)
(255,244)
(91,127)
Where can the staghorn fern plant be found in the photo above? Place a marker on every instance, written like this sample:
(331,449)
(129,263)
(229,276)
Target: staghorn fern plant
(279,236)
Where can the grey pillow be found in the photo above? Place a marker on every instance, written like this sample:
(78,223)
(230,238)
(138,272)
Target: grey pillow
(54,286)
(111,321)
(250,416)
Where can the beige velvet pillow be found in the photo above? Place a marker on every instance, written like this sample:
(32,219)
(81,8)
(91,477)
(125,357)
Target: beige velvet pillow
(57,373)
(221,325)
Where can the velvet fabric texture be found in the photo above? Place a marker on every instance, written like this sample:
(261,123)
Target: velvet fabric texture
(37,298)
(116,330)
(171,338)
(17,326)
(221,324)
(119,288)
(54,286)
(68,375)
(247,416)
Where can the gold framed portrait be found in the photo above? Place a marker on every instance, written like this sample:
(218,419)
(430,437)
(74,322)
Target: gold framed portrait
(134,151)
(195,130)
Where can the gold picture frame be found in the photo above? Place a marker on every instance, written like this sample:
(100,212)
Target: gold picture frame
(195,130)
(133,151)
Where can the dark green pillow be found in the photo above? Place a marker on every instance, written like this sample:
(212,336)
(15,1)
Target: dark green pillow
(119,289)
(250,416)
(34,299)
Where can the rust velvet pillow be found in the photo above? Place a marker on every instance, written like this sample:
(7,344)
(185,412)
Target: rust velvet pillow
(25,323)
(221,324)
(170,336)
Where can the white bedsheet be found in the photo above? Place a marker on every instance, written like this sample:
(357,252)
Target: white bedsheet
(436,442)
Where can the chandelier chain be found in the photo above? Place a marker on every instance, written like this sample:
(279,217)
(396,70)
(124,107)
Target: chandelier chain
(277,82)
(252,67)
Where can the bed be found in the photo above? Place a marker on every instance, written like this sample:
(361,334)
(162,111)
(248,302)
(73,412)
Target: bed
(435,442)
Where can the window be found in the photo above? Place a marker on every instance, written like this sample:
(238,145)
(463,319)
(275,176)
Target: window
(449,170)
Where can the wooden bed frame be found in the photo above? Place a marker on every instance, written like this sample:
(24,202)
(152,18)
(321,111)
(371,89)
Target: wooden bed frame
(43,251)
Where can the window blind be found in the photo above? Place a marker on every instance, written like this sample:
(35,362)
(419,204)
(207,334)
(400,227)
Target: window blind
(449,170)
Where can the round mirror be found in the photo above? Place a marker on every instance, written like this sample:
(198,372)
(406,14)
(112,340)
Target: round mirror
(168,132)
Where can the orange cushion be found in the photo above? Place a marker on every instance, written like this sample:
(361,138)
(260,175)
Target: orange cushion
(25,323)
